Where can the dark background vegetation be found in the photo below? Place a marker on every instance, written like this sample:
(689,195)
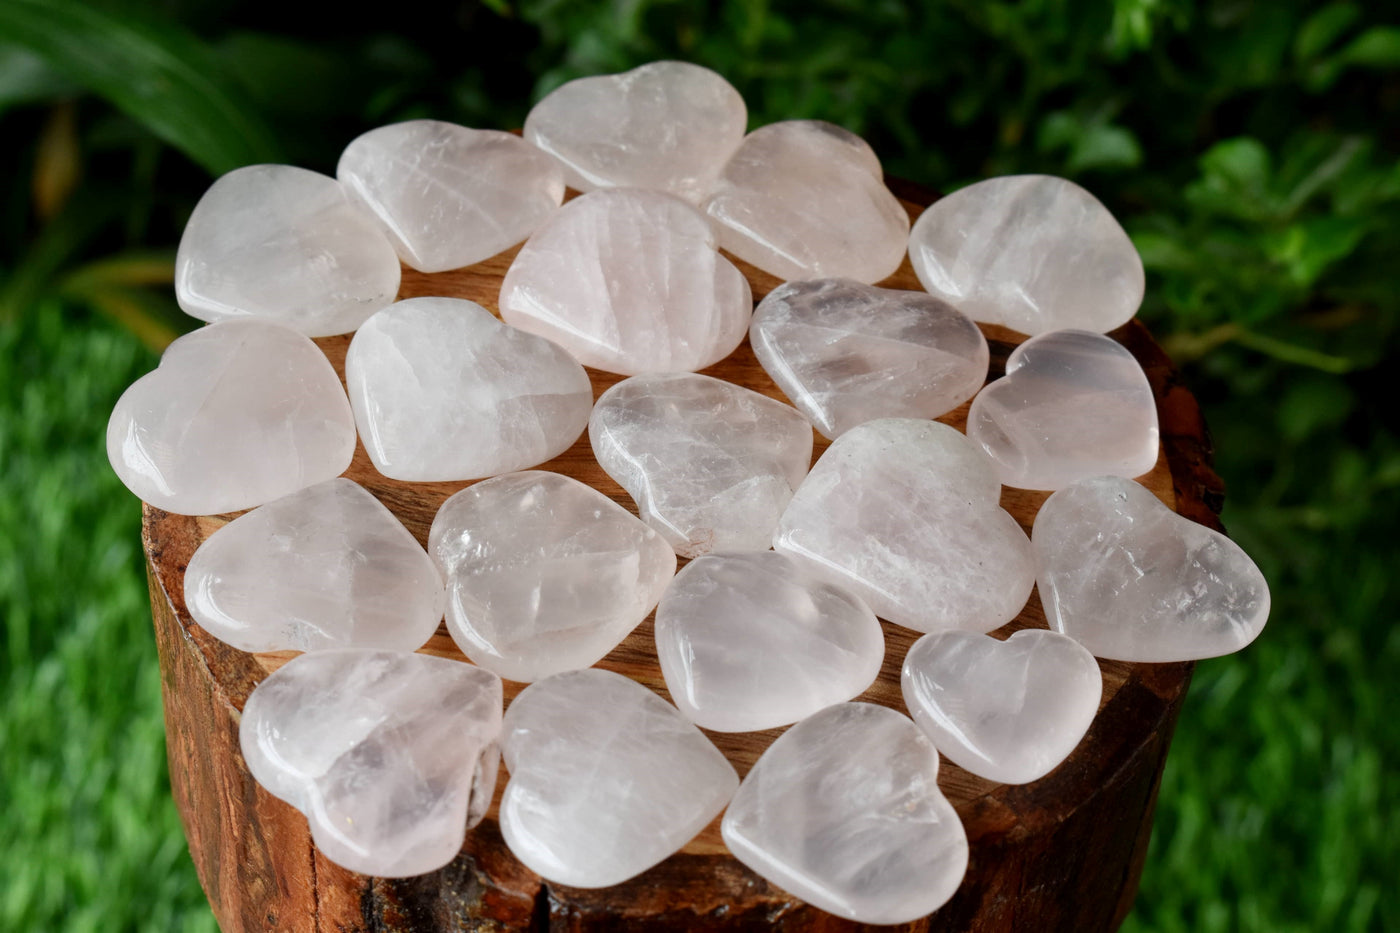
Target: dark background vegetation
(1249,146)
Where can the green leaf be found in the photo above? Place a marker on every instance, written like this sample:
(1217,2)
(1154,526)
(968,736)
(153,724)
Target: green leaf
(1235,180)
(160,75)
(1105,147)
(25,78)
(1307,248)
(1322,29)
(1377,47)
(1311,404)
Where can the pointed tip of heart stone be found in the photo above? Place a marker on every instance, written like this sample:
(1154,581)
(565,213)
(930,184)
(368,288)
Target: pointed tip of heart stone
(236,414)
(1034,253)
(1131,580)
(606,779)
(284,244)
(326,567)
(844,811)
(1009,711)
(349,736)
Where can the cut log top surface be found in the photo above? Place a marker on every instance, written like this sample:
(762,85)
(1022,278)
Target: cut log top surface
(1064,850)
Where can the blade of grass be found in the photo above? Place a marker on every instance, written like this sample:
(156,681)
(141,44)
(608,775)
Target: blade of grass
(160,75)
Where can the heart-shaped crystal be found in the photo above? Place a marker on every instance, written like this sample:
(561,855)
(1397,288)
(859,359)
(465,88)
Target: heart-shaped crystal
(544,574)
(442,390)
(847,353)
(1073,405)
(906,513)
(669,126)
(606,779)
(629,281)
(752,640)
(286,244)
(710,464)
(448,196)
(1009,711)
(1031,252)
(1131,580)
(326,567)
(237,414)
(844,811)
(391,756)
(803,199)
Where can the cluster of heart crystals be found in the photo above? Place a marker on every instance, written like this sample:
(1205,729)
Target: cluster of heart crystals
(392,755)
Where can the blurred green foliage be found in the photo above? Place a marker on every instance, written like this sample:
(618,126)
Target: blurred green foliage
(1251,147)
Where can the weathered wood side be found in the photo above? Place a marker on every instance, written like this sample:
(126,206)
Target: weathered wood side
(1063,853)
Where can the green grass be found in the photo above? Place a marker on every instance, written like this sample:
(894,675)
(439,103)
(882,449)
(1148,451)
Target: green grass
(91,838)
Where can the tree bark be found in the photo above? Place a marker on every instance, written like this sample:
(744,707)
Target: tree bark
(1062,853)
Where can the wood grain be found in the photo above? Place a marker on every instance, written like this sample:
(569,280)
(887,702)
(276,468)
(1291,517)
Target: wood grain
(1063,853)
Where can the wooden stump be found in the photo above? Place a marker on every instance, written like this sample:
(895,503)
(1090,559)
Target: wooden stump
(1063,853)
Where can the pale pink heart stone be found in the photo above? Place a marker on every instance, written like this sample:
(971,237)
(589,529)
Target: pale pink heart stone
(326,567)
(1072,405)
(804,199)
(1131,580)
(629,281)
(544,574)
(847,353)
(284,244)
(448,196)
(237,414)
(606,779)
(907,515)
(844,811)
(711,465)
(1008,711)
(442,390)
(1033,253)
(391,756)
(752,640)
(668,126)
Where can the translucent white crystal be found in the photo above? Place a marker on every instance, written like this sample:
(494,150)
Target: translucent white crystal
(803,199)
(1032,252)
(844,811)
(391,756)
(710,464)
(448,196)
(1009,711)
(606,779)
(668,126)
(544,574)
(1073,405)
(752,640)
(847,353)
(442,390)
(905,513)
(629,281)
(1131,580)
(286,244)
(326,567)
(237,414)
